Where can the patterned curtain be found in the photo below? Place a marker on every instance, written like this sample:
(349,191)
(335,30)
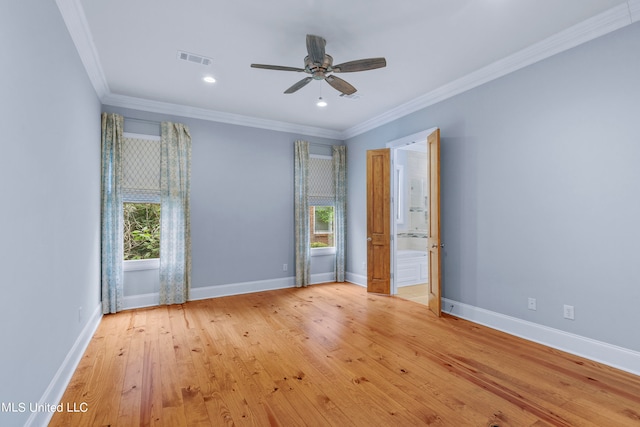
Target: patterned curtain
(111,250)
(339,154)
(301,212)
(175,227)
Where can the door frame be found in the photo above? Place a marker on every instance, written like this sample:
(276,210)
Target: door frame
(393,146)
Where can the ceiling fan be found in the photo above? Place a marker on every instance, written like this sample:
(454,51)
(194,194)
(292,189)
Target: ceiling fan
(320,66)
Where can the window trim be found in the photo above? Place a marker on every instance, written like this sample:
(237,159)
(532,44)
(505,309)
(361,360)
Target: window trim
(141,264)
(330,250)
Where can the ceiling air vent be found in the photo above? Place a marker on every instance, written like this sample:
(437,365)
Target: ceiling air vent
(192,57)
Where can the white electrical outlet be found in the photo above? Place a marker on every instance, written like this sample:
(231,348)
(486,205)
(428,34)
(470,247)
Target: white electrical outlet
(568,312)
(532,304)
(285,267)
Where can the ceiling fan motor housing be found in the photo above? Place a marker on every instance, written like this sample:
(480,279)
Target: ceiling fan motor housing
(318,70)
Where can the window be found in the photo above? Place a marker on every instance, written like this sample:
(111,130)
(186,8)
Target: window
(321,198)
(141,195)
(141,231)
(321,230)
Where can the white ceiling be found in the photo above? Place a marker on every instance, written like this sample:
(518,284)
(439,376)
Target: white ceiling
(129,48)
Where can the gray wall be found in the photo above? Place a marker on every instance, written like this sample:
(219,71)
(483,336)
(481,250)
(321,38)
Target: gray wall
(540,177)
(539,181)
(50,211)
(241,199)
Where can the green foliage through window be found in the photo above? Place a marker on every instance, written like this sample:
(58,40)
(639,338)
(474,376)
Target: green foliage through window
(321,229)
(324,214)
(141,231)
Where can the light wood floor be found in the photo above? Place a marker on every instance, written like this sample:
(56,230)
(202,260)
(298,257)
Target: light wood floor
(332,355)
(415,293)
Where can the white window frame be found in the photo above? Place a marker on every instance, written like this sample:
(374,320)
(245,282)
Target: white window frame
(323,251)
(141,264)
(330,250)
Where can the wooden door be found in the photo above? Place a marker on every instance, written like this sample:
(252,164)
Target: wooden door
(378,221)
(434,242)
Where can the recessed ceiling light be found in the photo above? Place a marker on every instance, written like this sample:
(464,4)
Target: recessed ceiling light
(209,79)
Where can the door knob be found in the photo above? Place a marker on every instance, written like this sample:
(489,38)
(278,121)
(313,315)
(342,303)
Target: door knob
(435,245)
(368,239)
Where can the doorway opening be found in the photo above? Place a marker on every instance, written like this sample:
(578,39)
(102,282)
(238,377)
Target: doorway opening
(399,206)
(410,220)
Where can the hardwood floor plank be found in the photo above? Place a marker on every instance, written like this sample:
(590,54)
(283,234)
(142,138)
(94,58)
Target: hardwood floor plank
(225,403)
(457,366)
(131,398)
(569,377)
(112,376)
(151,398)
(270,371)
(401,376)
(295,371)
(332,355)
(81,388)
(187,382)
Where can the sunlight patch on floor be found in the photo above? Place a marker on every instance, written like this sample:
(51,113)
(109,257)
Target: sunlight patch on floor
(415,293)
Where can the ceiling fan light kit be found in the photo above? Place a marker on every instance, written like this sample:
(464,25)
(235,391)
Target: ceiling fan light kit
(320,67)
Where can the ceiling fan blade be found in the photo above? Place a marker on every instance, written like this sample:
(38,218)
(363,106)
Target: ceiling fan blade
(276,67)
(360,65)
(315,48)
(340,85)
(302,83)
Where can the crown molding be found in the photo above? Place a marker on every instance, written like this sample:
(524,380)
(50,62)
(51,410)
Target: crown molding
(78,27)
(599,25)
(124,101)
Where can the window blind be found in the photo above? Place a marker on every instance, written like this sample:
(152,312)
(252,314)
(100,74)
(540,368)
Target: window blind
(322,189)
(141,169)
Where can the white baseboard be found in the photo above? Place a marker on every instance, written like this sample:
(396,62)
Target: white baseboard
(58,385)
(323,278)
(598,351)
(356,279)
(140,301)
(150,300)
(241,288)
